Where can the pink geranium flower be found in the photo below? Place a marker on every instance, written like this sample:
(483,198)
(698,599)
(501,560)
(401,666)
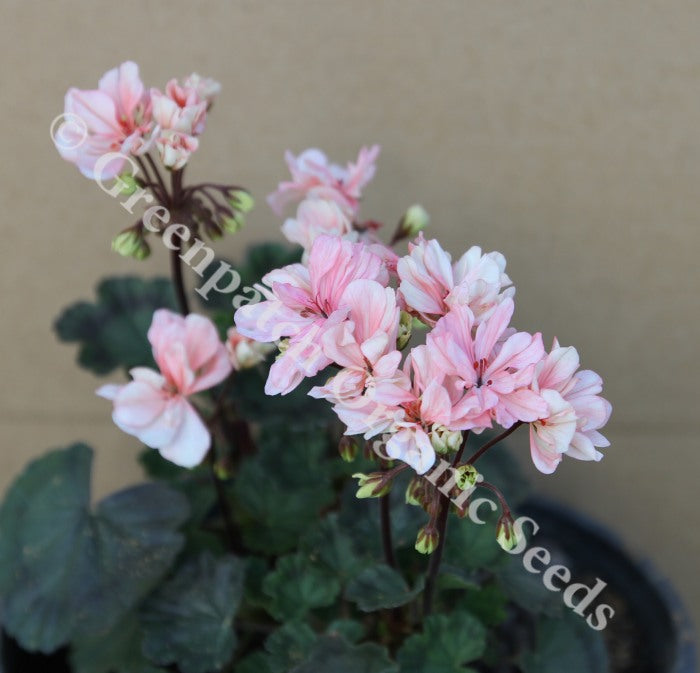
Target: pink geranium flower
(154,405)
(313,176)
(302,303)
(364,345)
(315,217)
(575,411)
(431,285)
(494,369)
(115,117)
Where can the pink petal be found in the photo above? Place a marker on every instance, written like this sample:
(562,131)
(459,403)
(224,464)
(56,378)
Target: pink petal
(191,441)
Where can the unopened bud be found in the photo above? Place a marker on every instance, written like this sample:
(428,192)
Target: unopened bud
(372,485)
(405,329)
(427,540)
(128,184)
(131,243)
(505,532)
(233,224)
(282,345)
(414,492)
(444,440)
(240,200)
(222,470)
(467,477)
(414,221)
(348,448)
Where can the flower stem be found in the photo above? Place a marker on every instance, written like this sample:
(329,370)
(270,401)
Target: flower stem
(436,556)
(385,520)
(178,282)
(175,260)
(233,538)
(493,442)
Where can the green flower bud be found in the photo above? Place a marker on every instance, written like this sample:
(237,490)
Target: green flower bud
(241,200)
(444,440)
(467,477)
(414,492)
(505,532)
(233,224)
(348,448)
(414,221)
(131,243)
(419,324)
(372,485)
(405,328)
(128,184)
(427,540)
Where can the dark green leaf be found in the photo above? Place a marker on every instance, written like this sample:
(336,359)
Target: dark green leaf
(280,492)
(379,587)
(329,544)
(447,643)
(189,621)
(471,545)
(349,629)
(67,572)
(118,651)
(488,603)
(566,644)
(297,586)
(112,331)
(336,655)
(258,662)
(527,589)
(289,646)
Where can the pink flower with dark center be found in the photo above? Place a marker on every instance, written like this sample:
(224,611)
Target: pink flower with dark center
(302,303)
(364,346)
(494,369)
(115,117)
(154,405)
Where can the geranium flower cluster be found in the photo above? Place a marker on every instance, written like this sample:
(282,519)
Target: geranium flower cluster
(350,305)
(122,116)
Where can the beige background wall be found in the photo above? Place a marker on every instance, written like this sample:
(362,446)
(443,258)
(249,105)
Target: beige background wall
(564,133)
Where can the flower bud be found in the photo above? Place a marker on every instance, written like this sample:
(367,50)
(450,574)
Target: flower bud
(444,440)
(467,477)
(233,224)
(427,540)
(414,492)
(505,532)
(132,243)
(405,329)
(222,469)
(128,183)
(372,485)
(348,448)
(240,200)
(414,221)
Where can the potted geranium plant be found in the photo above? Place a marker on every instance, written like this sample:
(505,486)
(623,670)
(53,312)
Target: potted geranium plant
(255,547)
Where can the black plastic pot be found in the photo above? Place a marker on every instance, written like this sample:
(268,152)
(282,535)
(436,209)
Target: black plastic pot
(650,633)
